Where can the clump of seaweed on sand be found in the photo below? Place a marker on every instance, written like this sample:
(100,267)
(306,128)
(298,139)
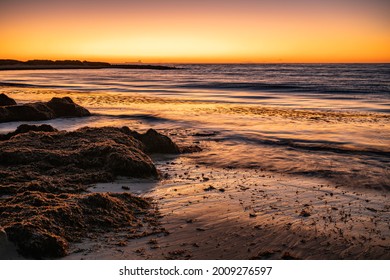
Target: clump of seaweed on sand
(44,176)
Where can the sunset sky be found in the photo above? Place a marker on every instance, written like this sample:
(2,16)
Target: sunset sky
(196,31)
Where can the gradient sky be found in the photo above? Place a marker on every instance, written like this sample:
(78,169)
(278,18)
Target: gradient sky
(196,31)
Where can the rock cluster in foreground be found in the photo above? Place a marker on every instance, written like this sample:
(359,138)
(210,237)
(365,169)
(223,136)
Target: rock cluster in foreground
(55,108)
(44,174)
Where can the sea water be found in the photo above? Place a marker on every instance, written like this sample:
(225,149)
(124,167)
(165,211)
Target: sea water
(323,120)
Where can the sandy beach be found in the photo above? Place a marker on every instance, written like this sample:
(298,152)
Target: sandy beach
(236,214)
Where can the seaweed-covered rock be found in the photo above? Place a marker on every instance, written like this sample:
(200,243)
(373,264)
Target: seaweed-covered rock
(6,101)
(42,224)
(77,154)
(155,142)
(36,242)
(24,128)
(45,173)
(55,108)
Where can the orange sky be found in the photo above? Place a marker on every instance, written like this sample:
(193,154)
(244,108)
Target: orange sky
(196,31)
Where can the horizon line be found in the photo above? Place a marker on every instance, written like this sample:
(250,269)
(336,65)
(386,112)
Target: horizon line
(193,62)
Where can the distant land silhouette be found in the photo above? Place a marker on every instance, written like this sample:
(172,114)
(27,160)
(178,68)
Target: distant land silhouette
(11,64)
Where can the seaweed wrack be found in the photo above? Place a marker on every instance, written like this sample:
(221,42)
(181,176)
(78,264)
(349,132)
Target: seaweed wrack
(44,176)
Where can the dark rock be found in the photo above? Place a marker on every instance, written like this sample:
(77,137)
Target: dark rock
(305,213)
(154,142)
(6,101)
(27,112)
(55,108)
(210,188)
(65,107)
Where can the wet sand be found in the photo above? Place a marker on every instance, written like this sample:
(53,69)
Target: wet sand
(249,214)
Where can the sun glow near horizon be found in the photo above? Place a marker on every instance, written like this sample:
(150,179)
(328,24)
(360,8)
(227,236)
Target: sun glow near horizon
(202,31)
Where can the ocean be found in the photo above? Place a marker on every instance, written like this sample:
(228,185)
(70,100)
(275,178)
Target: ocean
(313,120)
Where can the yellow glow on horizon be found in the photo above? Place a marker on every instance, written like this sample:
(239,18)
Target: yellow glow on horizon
(182,36)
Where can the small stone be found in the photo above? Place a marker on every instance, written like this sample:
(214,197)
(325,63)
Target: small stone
(305,213)
(210,188)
